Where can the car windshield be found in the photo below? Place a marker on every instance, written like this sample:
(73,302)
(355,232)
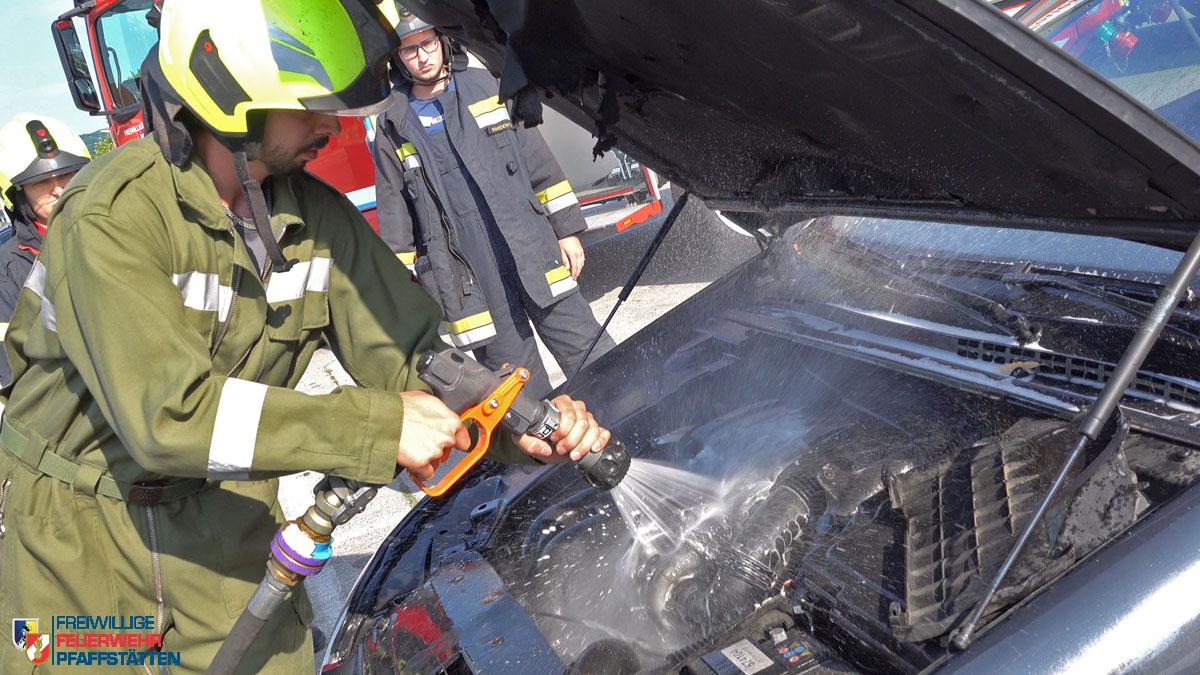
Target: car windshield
(124,37)
(1073,252)
(1148,48)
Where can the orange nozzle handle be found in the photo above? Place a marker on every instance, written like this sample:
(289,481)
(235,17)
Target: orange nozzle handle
(486,415)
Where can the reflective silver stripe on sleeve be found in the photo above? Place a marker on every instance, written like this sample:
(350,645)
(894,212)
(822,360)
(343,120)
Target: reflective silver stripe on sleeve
(560,203)
(310,275)
(203,292)
(36,282)
(235,429)
(496,116)
(318,277)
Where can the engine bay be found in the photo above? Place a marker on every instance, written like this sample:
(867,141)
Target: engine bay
(853,510)
(833,454)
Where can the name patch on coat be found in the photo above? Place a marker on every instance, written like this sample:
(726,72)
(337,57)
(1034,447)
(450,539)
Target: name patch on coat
(497,128)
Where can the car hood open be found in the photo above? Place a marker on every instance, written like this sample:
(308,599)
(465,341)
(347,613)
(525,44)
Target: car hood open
(928,109)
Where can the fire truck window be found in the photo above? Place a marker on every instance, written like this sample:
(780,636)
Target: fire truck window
(124,38)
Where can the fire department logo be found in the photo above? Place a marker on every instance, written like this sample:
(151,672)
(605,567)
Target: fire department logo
(37,647)
(21,628)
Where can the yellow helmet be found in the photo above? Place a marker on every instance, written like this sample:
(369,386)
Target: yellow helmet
(34,148)
(225,59)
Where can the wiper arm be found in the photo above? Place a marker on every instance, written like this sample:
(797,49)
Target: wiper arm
(1112,292)
(982,308)
(1104,288)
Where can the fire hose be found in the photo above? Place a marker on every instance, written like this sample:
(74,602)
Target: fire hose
(485,400)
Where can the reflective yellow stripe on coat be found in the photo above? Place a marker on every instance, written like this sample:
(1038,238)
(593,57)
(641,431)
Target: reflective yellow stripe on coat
(560,281)
(408,156)
(409,259)
(489,112)
(470,330)
(558,197)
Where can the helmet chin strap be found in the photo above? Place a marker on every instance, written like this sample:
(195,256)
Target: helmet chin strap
(429,83)
(258,211)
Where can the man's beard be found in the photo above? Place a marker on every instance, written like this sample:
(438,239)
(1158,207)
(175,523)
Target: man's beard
(280,160)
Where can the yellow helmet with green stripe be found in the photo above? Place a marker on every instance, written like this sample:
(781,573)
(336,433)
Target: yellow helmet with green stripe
(226,59)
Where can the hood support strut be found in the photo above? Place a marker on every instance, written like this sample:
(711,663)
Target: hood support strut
(636,275)
(1097,416)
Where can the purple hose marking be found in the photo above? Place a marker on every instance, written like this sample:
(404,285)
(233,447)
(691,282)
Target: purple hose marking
(292,560)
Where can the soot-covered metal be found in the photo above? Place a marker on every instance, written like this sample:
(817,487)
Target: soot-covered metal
(847,478)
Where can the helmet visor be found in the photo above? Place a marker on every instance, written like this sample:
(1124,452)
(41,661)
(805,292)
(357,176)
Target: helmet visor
(368,110)
(368,94)
(44,168)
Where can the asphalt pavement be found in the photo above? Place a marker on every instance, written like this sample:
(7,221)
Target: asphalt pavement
(698,250)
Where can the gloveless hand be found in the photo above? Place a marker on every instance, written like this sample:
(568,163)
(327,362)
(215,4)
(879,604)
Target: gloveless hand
(578,434)
(430,432)
(572,255)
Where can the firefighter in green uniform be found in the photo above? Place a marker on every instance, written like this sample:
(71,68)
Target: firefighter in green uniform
(184,285)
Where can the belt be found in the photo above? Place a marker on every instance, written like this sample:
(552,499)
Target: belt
(91,480)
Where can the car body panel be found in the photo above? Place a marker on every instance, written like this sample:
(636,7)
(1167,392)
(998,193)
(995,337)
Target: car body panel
(464,612)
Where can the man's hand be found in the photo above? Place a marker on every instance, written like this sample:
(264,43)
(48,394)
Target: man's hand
(578,434)
(430,431)
(572,255)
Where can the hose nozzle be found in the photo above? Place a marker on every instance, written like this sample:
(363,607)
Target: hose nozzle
(606,468)
(463,383)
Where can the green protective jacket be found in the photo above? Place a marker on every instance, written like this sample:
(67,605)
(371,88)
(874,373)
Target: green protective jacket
(144,344)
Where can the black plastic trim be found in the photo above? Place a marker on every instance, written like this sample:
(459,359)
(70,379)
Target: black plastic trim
(206,64)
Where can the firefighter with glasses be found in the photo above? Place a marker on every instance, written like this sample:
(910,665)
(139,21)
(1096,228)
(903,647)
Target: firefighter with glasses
(186,281)
(38,157)
(480,210)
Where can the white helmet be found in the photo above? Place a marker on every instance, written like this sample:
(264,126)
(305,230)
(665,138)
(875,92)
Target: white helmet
(34,148)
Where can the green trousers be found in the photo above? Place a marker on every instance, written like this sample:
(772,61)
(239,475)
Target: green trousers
(192,563)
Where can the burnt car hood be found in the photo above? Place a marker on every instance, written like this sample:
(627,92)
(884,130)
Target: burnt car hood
(926,109)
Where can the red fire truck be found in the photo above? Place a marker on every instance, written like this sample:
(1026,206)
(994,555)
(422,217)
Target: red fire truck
(118,39)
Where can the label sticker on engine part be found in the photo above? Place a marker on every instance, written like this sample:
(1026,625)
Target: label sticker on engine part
(748,658)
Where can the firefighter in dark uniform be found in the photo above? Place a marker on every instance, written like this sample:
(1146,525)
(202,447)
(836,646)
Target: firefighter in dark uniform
(38,157)
(480,211)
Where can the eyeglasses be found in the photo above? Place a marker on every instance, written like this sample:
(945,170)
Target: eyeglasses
(428,46)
